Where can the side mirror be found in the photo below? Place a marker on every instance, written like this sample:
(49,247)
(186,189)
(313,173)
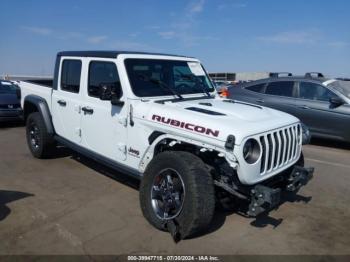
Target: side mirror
(336,101)
(111,92)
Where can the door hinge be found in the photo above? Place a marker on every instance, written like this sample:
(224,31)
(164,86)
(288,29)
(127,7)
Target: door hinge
(122,148)
(123,121)
(78,131)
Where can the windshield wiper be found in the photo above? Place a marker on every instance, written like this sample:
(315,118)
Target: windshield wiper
(161,84)
(165,86)
(198,82)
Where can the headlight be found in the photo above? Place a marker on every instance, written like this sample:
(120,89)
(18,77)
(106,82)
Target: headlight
(251,151)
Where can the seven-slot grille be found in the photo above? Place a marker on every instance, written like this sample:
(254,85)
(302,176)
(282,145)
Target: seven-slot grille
(279,148)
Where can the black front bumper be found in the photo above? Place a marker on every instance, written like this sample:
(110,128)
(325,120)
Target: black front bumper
(263,197)
(11,115)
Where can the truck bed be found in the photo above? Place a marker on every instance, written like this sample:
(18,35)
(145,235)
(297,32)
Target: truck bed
(33,87)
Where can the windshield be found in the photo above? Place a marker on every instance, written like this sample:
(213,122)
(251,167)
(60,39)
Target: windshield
(7,88)
(341,86)
(153,77)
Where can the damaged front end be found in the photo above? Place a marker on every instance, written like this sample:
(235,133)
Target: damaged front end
(266,196)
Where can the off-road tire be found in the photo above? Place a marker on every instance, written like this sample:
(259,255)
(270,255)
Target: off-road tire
(46,143)
(199,202)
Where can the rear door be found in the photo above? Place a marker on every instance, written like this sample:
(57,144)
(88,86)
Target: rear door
(314,109)
(280,95)
(66,100)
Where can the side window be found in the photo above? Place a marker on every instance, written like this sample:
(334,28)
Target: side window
(283,88)
(256,88)
(101,73)
(314,91)
(70,75)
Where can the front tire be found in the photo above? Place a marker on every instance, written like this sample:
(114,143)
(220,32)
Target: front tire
(40,143)
(189,198)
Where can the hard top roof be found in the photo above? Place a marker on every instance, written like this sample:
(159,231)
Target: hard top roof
(108,54)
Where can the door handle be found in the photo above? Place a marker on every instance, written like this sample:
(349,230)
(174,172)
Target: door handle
(87,110)
(62,102)
(304,107)
(260,100)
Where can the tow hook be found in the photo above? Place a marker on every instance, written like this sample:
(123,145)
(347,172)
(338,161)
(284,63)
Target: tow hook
(174,230)
(263,198)
(299,177)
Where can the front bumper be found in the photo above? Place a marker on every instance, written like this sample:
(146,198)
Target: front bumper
(11,115)
(263,197)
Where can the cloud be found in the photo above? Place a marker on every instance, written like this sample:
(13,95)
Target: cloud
(292,37)
(338,44)
(152,27)
(96,39)
(196,7)
(130,46)
(231,6)
(183,26)
(167,34)
(38,30)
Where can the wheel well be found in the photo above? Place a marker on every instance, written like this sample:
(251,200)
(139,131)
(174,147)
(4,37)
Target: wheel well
(29,108)
(209,156)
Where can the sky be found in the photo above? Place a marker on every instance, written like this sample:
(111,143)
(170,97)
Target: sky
(226,35)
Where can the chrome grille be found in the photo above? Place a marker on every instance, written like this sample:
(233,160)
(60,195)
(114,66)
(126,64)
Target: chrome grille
(279,148)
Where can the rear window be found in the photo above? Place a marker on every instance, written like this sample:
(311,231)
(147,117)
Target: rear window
(8,88)
(70,76)
(256,88)
(284,88)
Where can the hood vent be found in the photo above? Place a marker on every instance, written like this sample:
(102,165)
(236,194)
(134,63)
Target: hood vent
(205,111)
(241,103)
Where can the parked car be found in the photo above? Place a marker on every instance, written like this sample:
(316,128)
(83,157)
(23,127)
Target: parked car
(323,104)
(157,118)
(10,106)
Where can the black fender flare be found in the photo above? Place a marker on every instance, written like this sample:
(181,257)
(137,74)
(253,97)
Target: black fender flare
(42,107)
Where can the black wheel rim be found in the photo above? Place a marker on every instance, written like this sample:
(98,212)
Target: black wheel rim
(167,194)
(34,135)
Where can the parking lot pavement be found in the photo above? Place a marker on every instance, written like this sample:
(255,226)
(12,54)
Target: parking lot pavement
(71,205)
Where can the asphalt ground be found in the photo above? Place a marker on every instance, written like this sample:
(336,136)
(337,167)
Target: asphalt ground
(73,205)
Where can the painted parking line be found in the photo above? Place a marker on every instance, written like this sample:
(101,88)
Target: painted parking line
(328,163)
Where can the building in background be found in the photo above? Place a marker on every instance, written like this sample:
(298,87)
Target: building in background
(240,77)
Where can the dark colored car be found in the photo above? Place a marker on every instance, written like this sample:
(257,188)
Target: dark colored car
(10,106)
(320,103)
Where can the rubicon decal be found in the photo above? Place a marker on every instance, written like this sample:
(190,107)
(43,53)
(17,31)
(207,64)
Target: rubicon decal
(184,125)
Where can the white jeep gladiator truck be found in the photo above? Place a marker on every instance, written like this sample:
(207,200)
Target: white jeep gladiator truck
(157,117)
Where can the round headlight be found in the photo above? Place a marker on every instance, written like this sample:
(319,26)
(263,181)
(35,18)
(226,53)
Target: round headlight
(251,151)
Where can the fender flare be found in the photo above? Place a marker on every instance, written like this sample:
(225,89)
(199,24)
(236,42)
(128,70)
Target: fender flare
(42,108)
(149,152)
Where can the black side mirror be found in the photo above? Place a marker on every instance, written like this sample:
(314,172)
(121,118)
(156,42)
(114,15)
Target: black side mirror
(111,92)
(105,92)
(336,101)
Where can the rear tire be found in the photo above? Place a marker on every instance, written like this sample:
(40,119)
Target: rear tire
(40,143)
(198,201)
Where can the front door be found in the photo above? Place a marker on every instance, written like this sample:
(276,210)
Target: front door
(104,126)
(66,101)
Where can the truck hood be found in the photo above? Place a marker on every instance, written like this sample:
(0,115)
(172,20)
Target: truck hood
(215,118)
